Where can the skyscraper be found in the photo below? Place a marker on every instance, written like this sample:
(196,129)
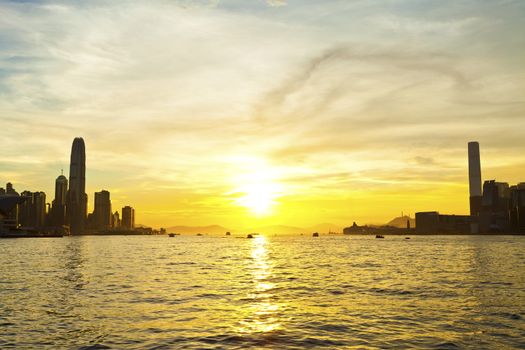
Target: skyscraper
(58,210)
(102,212)
(128,217)
(77,198)
(474,176)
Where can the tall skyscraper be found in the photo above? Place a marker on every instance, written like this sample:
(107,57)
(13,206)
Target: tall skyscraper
(102,212)
(77,197)
(128,217)
(474,176)
(58,209)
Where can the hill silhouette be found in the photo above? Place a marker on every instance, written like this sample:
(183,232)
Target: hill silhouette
(401,222)
(211,229)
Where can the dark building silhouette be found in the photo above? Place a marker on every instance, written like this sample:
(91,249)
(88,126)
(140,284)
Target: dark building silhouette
(9,211)
(115,221)
(58,208)
(517,208)
(77,197)
(32,212)
(433,222)
(495,207)
(102,215)
(128,217)
(10,190)
(474,175)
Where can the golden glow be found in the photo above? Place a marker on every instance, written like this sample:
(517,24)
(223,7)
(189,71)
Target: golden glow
(258,188)
(263,313)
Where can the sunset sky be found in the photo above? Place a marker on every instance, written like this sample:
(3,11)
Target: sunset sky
(247,113)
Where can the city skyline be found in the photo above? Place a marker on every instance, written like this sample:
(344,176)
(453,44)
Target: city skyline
(264,114)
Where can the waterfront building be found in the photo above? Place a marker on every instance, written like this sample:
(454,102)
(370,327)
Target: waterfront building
(115,221)
(9,212)
(32,212)
(517,208)
(474,172)
(102,216)
(12,214)
(433,222)
(128,217)
(495,207)
(58,208)
(77,197)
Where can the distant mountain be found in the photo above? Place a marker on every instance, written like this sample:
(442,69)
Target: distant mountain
(280,229)
(326,227)
(211,229)
(401,222)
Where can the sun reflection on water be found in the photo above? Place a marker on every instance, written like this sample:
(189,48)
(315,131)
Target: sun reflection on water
(263,312)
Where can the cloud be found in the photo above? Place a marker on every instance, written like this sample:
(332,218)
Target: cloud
(337,96)
(276,3)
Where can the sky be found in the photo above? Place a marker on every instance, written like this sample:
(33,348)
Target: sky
(250,113)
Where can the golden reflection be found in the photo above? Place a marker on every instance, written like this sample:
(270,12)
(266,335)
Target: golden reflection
(263,312)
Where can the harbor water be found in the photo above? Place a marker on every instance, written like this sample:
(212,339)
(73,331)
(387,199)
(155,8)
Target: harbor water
(269,292)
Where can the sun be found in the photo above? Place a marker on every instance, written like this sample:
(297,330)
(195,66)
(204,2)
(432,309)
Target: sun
(259,198)
(258,189)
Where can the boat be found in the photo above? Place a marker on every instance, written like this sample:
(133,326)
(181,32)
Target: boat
(407,237)
(380,236)
(171,235)
(315,234)
(249,236)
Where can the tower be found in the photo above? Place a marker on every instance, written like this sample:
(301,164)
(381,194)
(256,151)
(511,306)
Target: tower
(58,211)
(102,213)
(128,217)
(77,198)
(474,176)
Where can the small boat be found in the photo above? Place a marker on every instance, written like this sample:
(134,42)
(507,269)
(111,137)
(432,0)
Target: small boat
(228,233)
(315,234)
(199,234)
(380,236)
(249,236)
(171,235)
(407,237)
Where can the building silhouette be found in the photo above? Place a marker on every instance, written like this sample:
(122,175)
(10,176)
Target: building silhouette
(128,217)
(77,197)
(474,177)
(495,208)
(10,190)
(102,216)
(32,212)
(58,208)
(115,221)
(517,207)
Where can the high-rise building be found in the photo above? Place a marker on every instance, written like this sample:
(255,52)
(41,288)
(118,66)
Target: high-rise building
(102,216)
(32,212)
(77,197)
(128,217)
(115,221)
(474,176)
(517,208)
(58,209)
(495,209)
